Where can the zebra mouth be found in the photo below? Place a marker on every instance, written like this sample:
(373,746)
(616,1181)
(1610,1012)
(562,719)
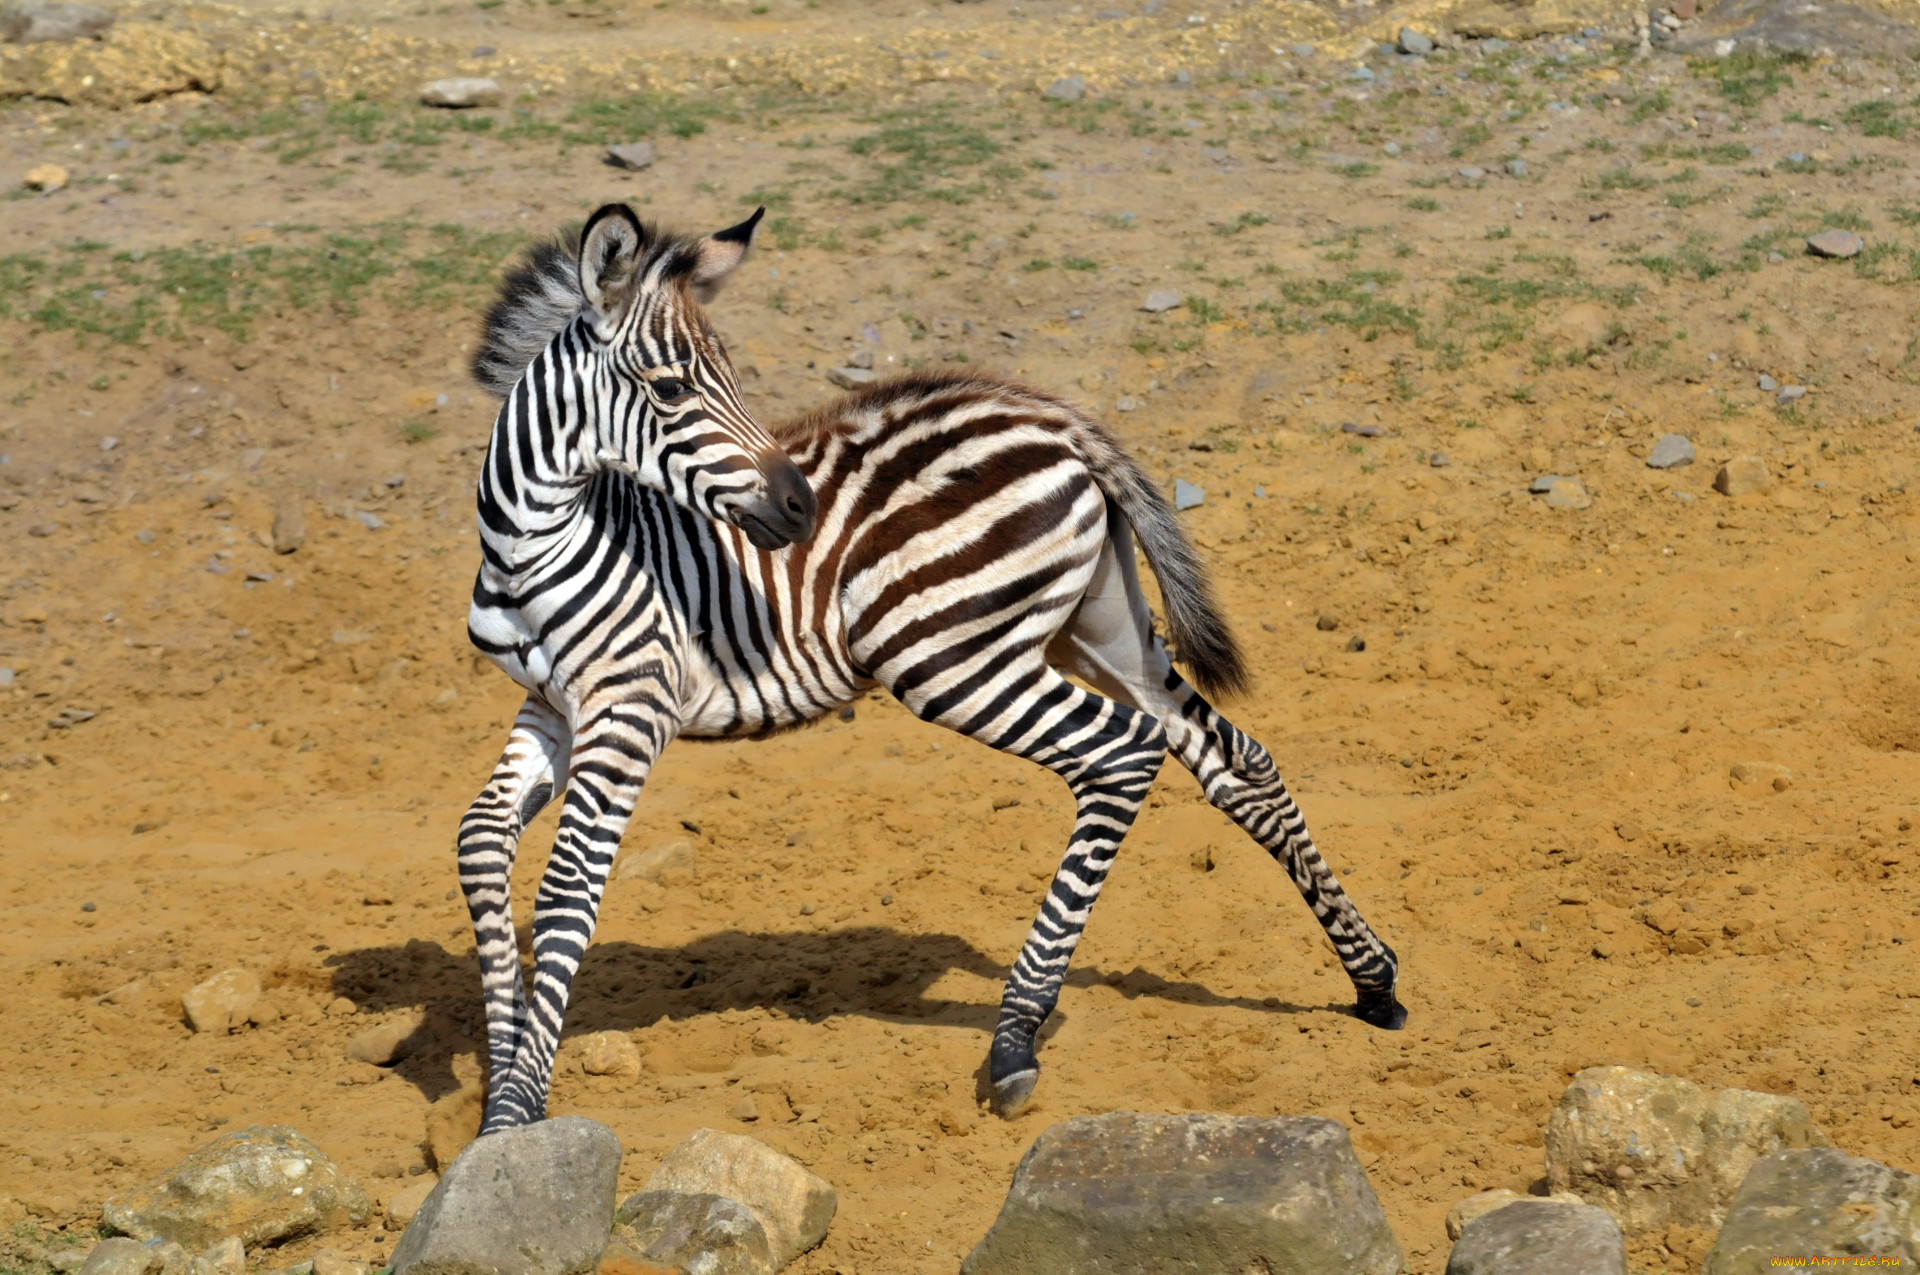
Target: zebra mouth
(763,534)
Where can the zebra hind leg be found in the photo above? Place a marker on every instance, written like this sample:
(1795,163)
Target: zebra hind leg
(1109,755)
(1111,643)
(531,766)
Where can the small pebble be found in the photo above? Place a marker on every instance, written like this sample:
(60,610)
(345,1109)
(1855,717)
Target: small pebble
(1186,495)
(1356,643)
(1328,622)
(1517,168)
(88,906)
(807,909)
(1439,460)
(632,156)
(1767,384)
(462,92)
(1391,148)
(1364,431)
(1472,173)
(1161,299)
(1414,42)
(1792,393)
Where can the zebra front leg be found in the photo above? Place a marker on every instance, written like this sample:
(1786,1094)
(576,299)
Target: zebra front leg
(613,752)
(532,765)
(1109,755)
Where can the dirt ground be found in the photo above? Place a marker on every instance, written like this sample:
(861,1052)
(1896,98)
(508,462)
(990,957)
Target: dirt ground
(1519,262)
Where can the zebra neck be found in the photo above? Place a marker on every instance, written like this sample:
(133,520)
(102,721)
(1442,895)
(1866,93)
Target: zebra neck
(539,471)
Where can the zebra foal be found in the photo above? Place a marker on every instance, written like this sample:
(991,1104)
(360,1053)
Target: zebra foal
(655,564)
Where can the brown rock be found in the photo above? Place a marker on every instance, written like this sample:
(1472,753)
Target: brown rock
(1835,243)
(387,1043)
(289,525)
(404,1203)
(1759,776)
(47,177)
(609,1054)
(1742,476)
(260,1184)
(223,1002)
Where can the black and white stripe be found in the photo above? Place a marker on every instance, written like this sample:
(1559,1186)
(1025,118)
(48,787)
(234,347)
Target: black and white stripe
(656,564)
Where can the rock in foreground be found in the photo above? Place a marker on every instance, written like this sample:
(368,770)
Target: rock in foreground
(1670,452)
(261,1183)
(793,1206)
(221,1003)
(1656,1151)
(537,1200)
(1200,1193)
(1537,1236)
(462,92)
(703,1232)
(1818,1203)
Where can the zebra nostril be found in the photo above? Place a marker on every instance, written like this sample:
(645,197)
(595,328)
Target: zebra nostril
(794,506)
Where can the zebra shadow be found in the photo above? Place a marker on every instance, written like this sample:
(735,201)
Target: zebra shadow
(873,971)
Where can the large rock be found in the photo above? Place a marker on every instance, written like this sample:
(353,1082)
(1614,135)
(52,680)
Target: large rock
(1193,1193)
(261,1183)
(1655,1151)
(710,1233)
(1540,1237)
(793,1206)
(1487,1201)
(222,1003)
(45,21)
(462,93)
(1818,1203)
(389,1042)
(537,1200)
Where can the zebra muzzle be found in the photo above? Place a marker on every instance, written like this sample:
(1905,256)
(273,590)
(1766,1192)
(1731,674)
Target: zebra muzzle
(785,515)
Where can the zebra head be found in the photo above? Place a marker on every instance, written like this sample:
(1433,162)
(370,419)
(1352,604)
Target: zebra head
(671,416)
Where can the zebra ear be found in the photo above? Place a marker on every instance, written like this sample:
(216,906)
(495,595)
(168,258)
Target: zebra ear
(720,254)
(610,249)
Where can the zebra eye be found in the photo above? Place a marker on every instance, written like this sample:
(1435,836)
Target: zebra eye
(668,387)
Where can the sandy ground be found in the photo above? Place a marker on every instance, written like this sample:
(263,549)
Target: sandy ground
(1526,778)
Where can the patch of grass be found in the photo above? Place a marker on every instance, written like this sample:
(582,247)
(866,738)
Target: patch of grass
(915,153)
(1079,263)
(1658,102)
(1420,203)
(416,432)
(1205,311)
(1356,169)
(1602,144)
(1036,265)
(1623,178)
(1499,232)
(618,119)
(1904,214)
(1749,78)
(1879,118)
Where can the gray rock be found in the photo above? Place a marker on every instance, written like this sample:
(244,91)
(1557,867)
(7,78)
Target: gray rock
(1535,1237)
(1364,431)
(1835,243)
(1493,44)
(289,525)
(1670,452)
(1517,168)
(262,1183)
(1186,495)
(1391,149)
(1818,1203)
(1791,394)
(1282,1195)
(1767,384)
(793,1206)
(67,1261)
(1439,460)
(1546,482)
(221,1003)
(632,156)
(462,92)
(1161,299)
(1774,258)
(368,519)
(1473,173)
(1413,42)
(118,1257)
(860,358)
(228,1257)
(677,1229)
(1362,74)
(1070,89)
(1486,1202)
(1303,50)
(1657,1151)
(852,378)
(39,22)
(536,1200)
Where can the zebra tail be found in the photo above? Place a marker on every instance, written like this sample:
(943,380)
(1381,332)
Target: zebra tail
(1199,631)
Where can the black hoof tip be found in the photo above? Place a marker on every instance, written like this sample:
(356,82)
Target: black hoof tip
(1012,1094)
(1383,1011)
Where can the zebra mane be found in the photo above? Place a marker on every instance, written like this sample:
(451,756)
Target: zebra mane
(541,294)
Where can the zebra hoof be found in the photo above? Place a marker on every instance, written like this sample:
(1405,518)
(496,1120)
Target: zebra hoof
(1382,1009)
(1012,1094)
